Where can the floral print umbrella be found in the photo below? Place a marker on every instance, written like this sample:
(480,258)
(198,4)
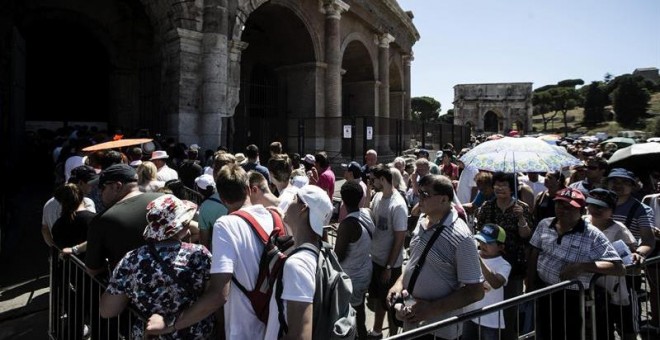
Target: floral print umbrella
(518,155)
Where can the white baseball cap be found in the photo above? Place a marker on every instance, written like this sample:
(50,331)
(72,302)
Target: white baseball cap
(319,204)
(204,181)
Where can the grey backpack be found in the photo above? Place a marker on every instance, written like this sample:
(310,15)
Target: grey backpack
(333,316)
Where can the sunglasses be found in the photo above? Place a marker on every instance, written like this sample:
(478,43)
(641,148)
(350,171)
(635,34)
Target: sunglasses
(592,167)
(425,194)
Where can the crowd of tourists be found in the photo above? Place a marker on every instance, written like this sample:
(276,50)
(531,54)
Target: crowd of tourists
(421,238)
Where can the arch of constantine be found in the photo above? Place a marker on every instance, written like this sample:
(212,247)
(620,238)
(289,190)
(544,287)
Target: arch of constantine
(494,108)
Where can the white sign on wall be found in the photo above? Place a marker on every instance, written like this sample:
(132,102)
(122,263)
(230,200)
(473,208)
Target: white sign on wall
(370,132)
(347,131)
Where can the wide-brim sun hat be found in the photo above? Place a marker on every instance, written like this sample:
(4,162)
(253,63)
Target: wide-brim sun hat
(166,216)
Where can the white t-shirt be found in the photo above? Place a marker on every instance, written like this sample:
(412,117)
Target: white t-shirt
(166,174)
(389,215)
(53,209)
(465,184)
(497,265)
(298,284)
(237,250)
(72,163)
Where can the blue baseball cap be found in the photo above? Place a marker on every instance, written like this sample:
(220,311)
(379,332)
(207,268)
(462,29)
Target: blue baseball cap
(491,233)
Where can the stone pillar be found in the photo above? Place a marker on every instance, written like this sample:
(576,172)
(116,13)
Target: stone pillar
(384,41)
(333,10)
(214,74)
(407,60)
(331,125)
(382,131)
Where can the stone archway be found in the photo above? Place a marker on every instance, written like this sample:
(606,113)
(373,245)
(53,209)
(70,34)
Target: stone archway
(81,67)
(491,122)
(359,88)
(277,68)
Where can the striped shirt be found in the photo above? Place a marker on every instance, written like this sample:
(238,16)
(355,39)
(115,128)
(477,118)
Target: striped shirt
(642,217)
(583,243)
(451,263)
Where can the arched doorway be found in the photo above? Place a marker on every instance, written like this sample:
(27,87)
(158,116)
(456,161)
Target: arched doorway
(358,98)
(278,73)
(491,123)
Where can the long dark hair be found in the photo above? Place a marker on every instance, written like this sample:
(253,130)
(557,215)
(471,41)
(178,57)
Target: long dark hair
(70,197)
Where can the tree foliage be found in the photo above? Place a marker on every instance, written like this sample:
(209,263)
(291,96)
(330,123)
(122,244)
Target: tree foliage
(425,109)
(595,100)
(557,99)
(630,99)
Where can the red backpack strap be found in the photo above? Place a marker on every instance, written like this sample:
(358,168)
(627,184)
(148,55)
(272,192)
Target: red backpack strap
(253,223)
(277,221)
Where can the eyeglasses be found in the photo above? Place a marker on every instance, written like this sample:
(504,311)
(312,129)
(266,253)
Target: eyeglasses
(425,194)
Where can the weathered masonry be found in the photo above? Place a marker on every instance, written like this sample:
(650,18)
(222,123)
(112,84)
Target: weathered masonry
(494,108)
(212,72)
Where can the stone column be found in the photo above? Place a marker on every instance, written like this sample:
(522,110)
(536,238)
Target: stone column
(214,74)
(330,125)
(384,41)
(333,10)
(407,60)
(383,133)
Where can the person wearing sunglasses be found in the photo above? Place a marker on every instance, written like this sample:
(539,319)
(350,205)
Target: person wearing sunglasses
(449,276)
(596,168)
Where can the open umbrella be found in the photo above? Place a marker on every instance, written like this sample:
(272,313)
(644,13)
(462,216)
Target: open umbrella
(621,142)
(550,139)
(637,157)
(518,154)
(120,143)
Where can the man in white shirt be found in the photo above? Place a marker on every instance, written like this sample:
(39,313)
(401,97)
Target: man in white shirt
(306,215)
(165,173)
(236,252)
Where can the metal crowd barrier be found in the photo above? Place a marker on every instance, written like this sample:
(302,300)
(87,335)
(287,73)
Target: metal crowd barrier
(602,315)
(520,303)
(74,304)
(623,309)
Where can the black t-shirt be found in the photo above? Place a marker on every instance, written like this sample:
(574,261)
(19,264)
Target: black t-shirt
(117,231)
(188,171)
(68,233)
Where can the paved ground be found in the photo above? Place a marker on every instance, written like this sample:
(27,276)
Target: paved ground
(24,266)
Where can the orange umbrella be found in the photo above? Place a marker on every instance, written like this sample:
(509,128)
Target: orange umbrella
(120,143)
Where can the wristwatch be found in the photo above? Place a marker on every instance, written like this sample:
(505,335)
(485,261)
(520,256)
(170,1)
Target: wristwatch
(388,267)
(170,322)
(75,250)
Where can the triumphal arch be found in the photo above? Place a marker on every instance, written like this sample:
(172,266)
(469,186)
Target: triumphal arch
(494,108)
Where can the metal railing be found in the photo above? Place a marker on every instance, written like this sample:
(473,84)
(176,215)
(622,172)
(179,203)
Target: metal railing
(74,304)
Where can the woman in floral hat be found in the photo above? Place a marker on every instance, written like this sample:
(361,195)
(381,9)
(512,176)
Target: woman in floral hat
(166,275)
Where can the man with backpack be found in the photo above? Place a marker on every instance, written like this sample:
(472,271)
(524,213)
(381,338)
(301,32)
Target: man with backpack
(237,249)
(312,294)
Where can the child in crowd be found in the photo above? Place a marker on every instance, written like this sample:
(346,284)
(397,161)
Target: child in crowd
(496,272)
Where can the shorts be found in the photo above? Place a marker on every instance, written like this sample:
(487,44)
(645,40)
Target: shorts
(378,290)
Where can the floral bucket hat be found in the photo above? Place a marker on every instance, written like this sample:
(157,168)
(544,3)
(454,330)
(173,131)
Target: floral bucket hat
(166,216)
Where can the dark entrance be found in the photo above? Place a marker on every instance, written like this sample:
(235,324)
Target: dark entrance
(273,80)
(491,122)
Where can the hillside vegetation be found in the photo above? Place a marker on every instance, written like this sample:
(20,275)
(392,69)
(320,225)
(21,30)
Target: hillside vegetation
(576,115)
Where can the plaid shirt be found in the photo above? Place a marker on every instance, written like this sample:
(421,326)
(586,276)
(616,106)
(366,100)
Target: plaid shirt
(583,243)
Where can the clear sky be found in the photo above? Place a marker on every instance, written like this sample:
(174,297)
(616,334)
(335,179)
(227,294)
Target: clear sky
(538,41)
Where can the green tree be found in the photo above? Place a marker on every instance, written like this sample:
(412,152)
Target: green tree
(425,109)
(542,102)
(448,118)
(564,99)
(595,100)
(630,100)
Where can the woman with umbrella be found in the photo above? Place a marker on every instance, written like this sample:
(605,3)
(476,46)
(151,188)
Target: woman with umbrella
(515,218)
